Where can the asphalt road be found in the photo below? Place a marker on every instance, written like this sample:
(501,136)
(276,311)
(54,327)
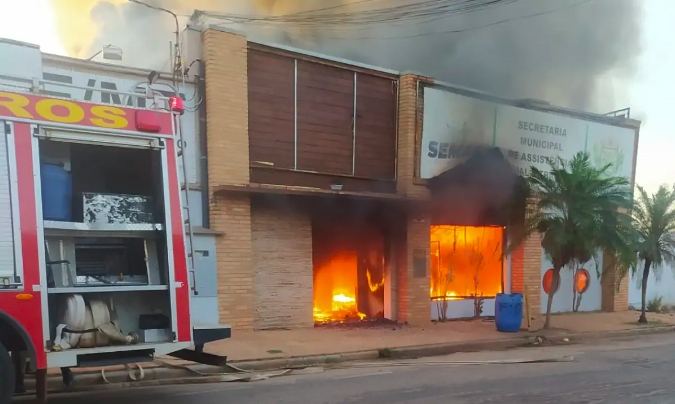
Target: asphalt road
(637,371)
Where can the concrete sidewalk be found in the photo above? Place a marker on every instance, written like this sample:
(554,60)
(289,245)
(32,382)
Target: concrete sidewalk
(257,345)
(264,350)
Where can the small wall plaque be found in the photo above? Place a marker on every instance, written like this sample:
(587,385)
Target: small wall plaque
(420,263)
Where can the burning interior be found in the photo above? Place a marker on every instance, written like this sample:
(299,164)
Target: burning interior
(466,263)
(468,232)
(349,272)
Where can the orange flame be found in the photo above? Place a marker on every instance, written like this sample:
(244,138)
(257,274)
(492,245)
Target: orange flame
(335,284)
(465,261)
(374,287)
(343,307)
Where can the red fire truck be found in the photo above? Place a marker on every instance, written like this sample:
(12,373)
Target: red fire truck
(95,237)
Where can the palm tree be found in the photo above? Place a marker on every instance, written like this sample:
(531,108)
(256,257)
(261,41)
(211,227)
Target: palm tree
(578,210)
(654,217)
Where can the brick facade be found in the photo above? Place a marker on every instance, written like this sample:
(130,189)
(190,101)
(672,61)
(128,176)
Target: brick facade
(225,60)
(613,298)
(282,262)
(620,296)
(225,63)
(412,296)
(232,215)
(526,263)
(265,255)
(416,301)
(532,260)
(409,137)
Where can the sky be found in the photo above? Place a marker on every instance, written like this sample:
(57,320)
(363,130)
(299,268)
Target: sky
(650,95)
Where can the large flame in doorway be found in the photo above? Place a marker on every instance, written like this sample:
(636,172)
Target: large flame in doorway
(336,288)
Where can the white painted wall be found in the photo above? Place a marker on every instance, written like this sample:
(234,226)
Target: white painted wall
(562,300)
(463,309)
(664,286)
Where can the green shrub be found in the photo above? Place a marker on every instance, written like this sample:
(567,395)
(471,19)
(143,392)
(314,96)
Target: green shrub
(654,305)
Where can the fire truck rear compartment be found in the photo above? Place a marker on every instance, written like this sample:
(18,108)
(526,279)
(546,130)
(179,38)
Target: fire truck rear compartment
(106,170)
(106,253)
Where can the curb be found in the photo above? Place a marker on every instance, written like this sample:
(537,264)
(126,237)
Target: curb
(200,374)
(526,341)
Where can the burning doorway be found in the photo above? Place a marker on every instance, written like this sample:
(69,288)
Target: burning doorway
(467,270)
(349,271)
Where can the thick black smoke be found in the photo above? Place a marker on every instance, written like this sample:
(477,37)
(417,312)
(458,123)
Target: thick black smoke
(579,56)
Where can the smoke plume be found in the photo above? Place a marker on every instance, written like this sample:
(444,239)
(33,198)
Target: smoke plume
(574,53)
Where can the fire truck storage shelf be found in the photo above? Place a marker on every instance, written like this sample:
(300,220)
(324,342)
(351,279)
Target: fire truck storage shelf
(74,229)
(102,227)
(108,255)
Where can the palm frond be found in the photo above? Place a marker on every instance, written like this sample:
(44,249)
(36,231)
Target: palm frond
(579,211)
(654,221)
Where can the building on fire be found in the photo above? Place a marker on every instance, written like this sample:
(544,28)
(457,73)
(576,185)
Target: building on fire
(342,191)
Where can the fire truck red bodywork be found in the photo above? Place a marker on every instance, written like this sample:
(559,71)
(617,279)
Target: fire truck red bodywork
(24,114)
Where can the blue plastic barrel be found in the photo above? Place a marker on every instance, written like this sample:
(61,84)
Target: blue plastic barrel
(508,312)
(57,192)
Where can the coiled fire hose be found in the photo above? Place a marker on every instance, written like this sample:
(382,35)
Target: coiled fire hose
(87,326)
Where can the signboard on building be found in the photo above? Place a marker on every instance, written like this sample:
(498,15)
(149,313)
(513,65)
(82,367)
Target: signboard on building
(454,124)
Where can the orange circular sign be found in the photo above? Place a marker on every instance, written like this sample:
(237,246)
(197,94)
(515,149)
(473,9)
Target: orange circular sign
(547,282)
(582,280)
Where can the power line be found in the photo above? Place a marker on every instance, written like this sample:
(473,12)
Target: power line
(444,32)
(420,12)
(406,12)
(504,21)
(329,8)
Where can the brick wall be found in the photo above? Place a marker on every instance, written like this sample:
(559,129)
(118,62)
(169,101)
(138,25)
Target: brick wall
(621,296)
(413,302)
(282,263)
(532,261)
(225,63)
(411,293)
(526,263)
(232,215)
(613,299)
(410,116)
